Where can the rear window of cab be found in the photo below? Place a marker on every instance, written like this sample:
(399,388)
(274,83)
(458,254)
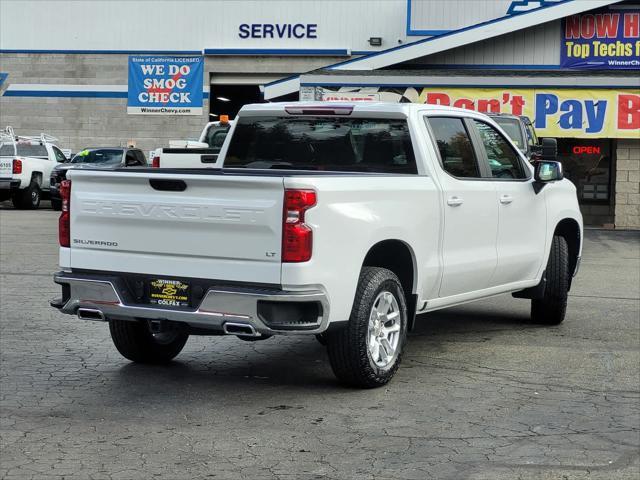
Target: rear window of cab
(24,150)
(323,144)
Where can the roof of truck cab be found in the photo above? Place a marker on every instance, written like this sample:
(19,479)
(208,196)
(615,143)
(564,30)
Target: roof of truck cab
(369,107)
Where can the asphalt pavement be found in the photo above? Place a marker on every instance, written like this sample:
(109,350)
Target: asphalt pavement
(482,393)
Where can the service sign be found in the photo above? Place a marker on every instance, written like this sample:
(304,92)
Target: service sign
(161,85)
(604,40)
(577,113)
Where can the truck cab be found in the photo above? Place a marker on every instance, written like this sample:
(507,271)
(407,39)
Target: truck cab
(26,163)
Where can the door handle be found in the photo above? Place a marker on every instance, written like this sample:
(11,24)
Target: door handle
(454,201)
(506,199)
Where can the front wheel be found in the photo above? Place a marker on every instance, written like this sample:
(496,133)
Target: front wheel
(135,341)
(551,308)
(366,353)
(29,198)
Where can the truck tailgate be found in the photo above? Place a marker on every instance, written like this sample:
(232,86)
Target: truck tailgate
(6,167)
(218,227)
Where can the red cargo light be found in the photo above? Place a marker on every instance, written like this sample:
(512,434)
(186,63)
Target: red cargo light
(333,109)
(297,237)
(155,163)
(64,222)
(17,166)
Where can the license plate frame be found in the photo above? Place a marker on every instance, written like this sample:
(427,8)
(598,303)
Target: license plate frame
(169,293)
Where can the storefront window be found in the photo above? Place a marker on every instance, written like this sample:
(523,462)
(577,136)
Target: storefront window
(587,163)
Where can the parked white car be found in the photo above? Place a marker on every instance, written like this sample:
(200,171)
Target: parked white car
(25,167)
(343,221)
(194,154)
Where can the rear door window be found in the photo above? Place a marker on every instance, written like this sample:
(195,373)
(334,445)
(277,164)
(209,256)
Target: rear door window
(321,143)
(457,154)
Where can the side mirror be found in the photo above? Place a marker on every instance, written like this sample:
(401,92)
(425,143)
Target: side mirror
(549,149)
(547,171)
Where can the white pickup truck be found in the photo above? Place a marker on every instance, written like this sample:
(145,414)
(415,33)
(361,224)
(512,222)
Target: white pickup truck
(343,221)
(25,167)
(190,154)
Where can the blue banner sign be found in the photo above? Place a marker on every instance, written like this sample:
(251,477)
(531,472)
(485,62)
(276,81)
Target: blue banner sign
(606,40)
(161,85)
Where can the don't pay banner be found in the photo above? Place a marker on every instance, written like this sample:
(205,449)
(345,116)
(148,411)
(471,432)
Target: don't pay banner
(555,112)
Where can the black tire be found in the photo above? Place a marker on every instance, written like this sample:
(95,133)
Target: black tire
(348,350)
(551,309)
(135,341)
(5,195)
(29,198)
(56,204)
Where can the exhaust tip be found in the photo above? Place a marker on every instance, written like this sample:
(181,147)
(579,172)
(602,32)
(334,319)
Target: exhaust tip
(240,329)
(90,314)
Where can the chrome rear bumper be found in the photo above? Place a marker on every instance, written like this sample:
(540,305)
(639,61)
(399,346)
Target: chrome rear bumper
(98,299)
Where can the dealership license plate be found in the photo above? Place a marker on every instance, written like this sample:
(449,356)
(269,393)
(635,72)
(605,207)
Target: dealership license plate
(172,293)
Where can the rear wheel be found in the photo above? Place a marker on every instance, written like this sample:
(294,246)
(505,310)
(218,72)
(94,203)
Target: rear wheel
(551,309)
(135,341)
(367,352)
(29,198)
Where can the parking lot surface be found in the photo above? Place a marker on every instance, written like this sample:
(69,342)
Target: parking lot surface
(482,393)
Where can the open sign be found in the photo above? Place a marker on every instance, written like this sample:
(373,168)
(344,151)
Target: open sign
(585,150)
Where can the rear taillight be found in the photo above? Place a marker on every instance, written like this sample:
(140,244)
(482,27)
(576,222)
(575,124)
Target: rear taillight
(155,163)
(297,237)
(17,166)
(64,227)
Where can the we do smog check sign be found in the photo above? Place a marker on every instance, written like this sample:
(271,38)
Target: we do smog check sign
(161,85)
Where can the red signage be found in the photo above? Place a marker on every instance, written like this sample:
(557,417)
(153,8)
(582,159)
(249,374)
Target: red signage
(585,150)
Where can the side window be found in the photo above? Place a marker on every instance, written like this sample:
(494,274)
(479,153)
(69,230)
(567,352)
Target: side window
(456,150)
(141,158)
(130,159)
(217,139)
(532,138)
(504,161)
(59,155)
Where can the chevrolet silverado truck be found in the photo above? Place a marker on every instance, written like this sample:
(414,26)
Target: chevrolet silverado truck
(194,154)
(25,167)
(343,221)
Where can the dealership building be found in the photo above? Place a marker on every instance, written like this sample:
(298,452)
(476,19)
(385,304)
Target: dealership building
(105,73)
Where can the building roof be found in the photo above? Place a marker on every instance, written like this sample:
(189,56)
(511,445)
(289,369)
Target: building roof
(472,78)
(453,39)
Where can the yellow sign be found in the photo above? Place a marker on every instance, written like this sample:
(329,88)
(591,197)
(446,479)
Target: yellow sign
(573,113)
(555,113)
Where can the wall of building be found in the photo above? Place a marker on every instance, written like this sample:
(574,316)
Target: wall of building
(81,122)
(627,209)
(198,24)
(538,45)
